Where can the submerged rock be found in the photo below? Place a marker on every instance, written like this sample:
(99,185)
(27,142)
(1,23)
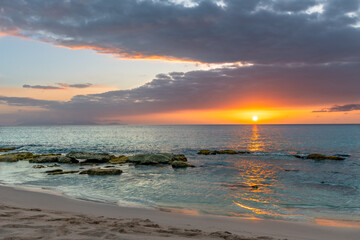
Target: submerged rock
(244,152)
(14,157)
(38,166)
(119,160)
(53,165)
(100,171)
(226,151)
(180,164)
(316,156)
(7,149)
(59,172)
(63,172)
(204,152)
(55,170)
(90,157)
(109,166)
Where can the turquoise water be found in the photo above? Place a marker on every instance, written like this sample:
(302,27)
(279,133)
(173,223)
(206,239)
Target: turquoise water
(289,188)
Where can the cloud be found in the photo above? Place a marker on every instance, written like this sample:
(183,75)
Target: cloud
(41,87)
(257,31)
(222,88)
(341,108)
(80,85)
(61,86)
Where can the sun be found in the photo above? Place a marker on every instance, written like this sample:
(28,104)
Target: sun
(255,118)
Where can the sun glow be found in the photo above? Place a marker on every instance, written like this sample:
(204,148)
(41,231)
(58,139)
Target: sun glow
(255,118)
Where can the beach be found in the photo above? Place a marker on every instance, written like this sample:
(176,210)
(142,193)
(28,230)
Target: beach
(30,214)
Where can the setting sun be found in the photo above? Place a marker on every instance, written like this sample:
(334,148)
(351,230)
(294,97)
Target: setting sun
(254,118)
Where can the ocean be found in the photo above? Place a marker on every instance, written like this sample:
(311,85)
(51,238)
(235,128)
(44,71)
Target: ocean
(288,188)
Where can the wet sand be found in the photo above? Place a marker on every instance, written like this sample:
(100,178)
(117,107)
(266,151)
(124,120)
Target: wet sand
(26,214)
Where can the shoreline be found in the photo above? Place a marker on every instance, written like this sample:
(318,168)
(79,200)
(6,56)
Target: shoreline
(47,200)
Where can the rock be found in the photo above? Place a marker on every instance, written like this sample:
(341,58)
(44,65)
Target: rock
(109,166)
(7,149)
(152,159)
(14,157)
(204,152)
(119,160)
(255,186)
(100,171)
(64,159)
(44,159)
(90,157)
(299,156)
(53,165)
(59,172)
(179,157)
(180,164)
(226,152)
(38,166)
(55,170)
(316,156)
(343,155)
(335,158)
(244,152)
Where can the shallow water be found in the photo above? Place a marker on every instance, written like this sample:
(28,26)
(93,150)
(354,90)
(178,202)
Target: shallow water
(288,188)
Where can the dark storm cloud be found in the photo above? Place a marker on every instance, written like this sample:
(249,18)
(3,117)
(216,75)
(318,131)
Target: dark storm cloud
(258,31)
(62,86)
(341,108)
(281,86)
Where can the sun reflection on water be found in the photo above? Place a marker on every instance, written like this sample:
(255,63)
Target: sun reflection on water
(256,144)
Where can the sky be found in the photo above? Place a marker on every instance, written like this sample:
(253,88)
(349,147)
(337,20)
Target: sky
(179,62)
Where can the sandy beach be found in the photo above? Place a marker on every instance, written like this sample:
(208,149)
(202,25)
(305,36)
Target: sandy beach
(26,214)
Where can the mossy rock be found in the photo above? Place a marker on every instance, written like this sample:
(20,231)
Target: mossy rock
(119,160)
(204,152)
(152,159)
(14,157)
(7,149)
(179,157)
(226,152)
(101,172)
(181,164)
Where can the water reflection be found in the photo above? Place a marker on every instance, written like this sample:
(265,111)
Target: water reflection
(256,144)
(253,189)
